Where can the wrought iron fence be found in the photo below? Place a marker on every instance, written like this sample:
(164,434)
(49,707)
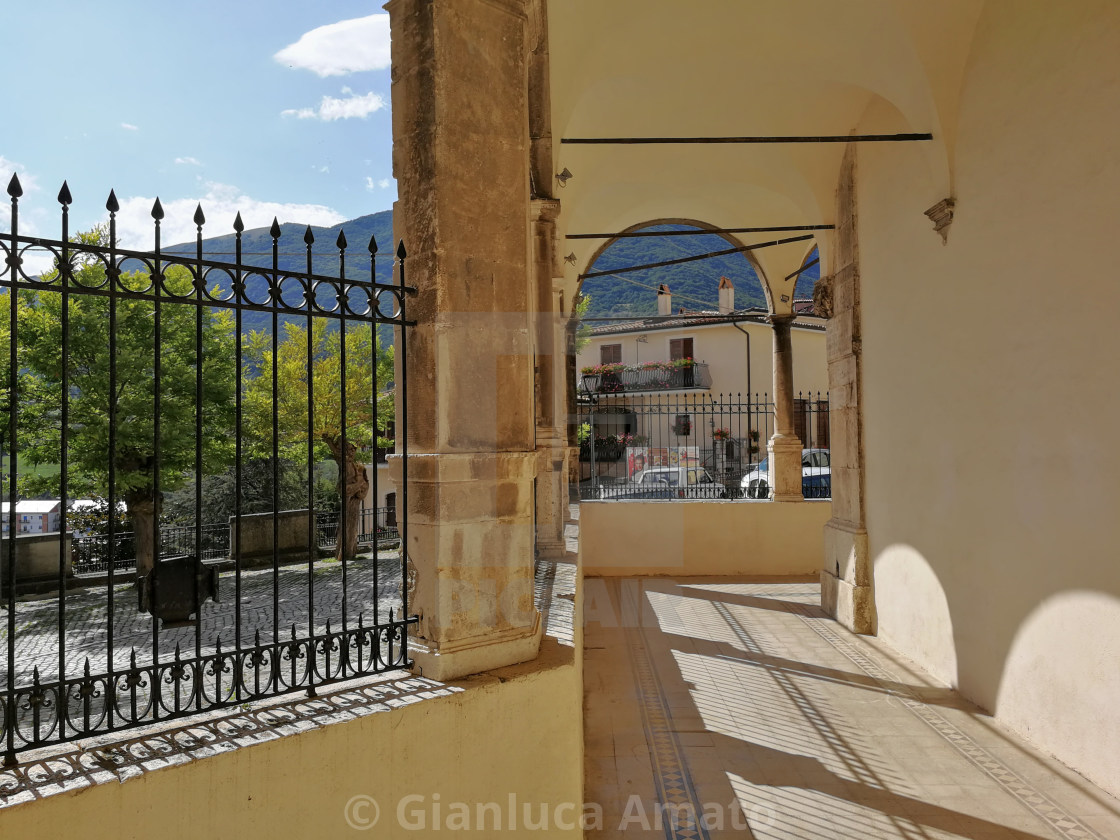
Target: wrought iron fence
(129,373)
(693,446)
(91,552)
(378,527)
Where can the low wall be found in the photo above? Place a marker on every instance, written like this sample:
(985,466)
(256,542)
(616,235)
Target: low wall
(36,561)
(256,537)
(513,732)
(702,537)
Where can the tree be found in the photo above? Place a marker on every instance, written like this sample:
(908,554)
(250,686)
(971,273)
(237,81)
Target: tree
(88,367)
(369,409)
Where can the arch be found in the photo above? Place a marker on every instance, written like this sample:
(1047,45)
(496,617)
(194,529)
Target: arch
(731,239)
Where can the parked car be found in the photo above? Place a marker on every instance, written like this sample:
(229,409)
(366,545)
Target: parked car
(667,483)
(816,477)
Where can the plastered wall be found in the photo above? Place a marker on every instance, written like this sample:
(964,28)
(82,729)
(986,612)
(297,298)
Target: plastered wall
(701,538)
(990,384)
(514,731)
(724,349)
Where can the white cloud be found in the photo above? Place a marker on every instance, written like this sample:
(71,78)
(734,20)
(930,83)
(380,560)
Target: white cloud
(26,179)
(221,203)
(188,161)
(383,184)
(332,108)
(130,127)
(34,220)
(349,46)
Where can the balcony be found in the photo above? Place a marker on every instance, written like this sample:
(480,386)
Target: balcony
(678,375)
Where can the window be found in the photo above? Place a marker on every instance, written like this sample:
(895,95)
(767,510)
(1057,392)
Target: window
(680,348)
(610,354)
(683,425)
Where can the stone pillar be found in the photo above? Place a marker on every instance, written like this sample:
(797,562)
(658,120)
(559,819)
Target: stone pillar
(784,447)
(552,480)
(847,593)
(461,159)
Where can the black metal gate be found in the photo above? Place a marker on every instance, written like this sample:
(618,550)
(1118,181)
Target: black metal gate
(136,377)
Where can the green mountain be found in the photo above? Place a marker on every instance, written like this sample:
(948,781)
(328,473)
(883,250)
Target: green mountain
(693,284)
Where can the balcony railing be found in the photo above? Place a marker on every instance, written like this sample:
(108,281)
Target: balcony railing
(652,376)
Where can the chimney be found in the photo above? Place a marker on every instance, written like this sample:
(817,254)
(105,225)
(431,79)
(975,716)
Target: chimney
(726,296)
(664,300)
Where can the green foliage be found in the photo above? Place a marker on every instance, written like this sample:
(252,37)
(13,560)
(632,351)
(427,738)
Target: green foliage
(40,323)
(365,359)
(579,312)
(219,492)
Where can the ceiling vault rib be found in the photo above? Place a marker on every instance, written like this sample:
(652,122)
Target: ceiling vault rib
(723,253)
(826,138)
(698,232)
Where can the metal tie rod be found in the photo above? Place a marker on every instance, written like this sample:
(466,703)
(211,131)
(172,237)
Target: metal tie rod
(723,253)
(706,232)
(824,138)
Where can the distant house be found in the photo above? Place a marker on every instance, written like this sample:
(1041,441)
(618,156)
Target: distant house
(33,516)
(732,347)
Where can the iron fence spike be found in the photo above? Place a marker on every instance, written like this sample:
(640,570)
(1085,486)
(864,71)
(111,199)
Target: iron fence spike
(199,216)
(274,231)
(340,243)
(157,210)
(64,197)
(373,245)
(238,225)
(15,189)
(401,252)
(112,205)
(308,236)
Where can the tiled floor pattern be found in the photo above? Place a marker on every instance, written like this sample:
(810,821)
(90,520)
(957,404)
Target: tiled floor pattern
(718,709)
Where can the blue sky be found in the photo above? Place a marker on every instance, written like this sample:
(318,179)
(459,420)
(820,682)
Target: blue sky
(271,108)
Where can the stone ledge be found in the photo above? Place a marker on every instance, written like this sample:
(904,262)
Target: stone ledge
(121,756)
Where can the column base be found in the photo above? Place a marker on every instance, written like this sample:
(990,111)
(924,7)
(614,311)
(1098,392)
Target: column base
(784,452)
(852,606)
(472,656)
(847,591)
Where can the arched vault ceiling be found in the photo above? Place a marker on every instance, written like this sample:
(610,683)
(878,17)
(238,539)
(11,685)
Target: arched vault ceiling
(660,68)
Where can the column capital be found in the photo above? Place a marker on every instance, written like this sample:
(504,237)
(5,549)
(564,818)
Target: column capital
(544,209)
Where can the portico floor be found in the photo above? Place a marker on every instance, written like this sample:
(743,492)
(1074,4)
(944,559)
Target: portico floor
(743,704)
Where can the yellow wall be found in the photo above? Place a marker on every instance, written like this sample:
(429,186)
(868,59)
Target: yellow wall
(514,730)
(701,538)
(990,389)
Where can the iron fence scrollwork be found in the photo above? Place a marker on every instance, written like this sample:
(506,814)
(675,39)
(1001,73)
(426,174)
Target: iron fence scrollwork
(80,662)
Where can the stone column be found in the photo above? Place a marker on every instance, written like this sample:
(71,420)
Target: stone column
(461,159)
(847,593)
(552,483)
(784,447)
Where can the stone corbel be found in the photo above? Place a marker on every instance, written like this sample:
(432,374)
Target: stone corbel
(822,297)
(941,214)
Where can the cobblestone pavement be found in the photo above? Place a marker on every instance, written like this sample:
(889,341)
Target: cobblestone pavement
(86,616)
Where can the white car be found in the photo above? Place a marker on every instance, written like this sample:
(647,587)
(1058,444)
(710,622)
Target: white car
(816,477)
(667,483)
